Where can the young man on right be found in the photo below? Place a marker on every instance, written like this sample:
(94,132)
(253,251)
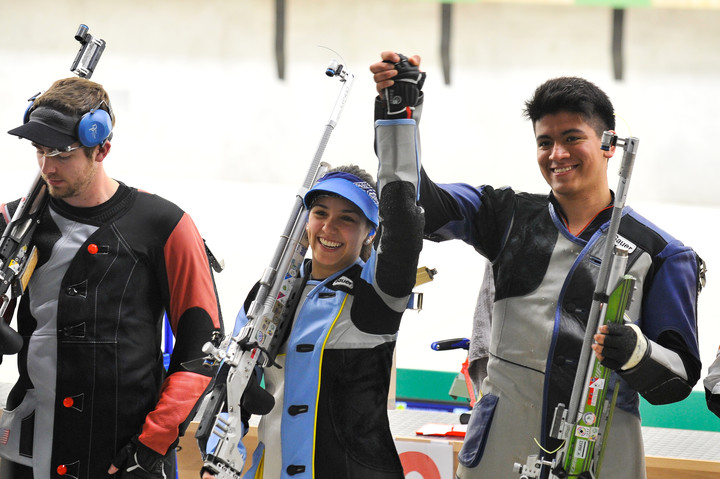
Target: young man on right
(545,250)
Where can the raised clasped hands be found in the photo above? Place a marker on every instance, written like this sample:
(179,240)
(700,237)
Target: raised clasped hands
(384,70)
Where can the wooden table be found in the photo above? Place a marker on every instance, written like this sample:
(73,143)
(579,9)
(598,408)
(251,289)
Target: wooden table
(670,453)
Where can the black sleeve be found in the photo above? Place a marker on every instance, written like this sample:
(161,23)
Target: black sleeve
(440,207)
(400,240)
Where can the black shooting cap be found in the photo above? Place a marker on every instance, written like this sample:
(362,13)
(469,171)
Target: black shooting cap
(49,127)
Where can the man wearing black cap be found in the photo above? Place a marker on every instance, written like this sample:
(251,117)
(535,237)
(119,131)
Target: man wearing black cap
(93,397)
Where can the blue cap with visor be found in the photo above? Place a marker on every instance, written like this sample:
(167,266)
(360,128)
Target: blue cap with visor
(352,188)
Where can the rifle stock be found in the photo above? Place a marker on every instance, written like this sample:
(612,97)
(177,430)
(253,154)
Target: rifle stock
(592,424)
(269,317)
(18,258)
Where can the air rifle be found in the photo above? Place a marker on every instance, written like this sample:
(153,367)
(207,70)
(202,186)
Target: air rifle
(268,319)
(18,256)
(586,422)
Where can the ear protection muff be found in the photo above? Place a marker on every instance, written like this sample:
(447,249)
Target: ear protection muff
(93,128)
(26,115)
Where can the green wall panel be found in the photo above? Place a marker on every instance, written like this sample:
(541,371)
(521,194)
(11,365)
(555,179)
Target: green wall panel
(433,386)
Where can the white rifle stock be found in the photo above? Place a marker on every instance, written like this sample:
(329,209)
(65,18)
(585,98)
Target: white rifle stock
(269,316)
(18,255)
(577,457)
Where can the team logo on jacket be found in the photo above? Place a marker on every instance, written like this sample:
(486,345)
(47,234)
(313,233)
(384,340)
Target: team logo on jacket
(343,281)
(625,243)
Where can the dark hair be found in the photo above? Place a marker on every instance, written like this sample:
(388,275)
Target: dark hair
(357,171)
(365,176)
(572,94)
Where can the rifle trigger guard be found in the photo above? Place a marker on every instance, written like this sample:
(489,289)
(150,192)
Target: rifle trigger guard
(246,346)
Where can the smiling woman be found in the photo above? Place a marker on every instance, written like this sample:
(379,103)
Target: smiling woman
(342,219)
(330,394)
(337,230)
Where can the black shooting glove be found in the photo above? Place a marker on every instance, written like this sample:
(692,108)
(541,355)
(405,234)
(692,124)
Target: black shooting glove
(624,346)
(137,461)
(405,94)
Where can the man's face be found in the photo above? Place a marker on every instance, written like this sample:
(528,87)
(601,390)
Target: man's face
(68,174)
(569,156)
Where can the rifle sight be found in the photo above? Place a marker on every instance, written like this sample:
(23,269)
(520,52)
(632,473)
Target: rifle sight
(90,50)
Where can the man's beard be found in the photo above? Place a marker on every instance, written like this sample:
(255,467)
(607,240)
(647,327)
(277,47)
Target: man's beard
(75,188)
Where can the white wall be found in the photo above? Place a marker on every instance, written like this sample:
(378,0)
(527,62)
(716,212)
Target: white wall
(204,121)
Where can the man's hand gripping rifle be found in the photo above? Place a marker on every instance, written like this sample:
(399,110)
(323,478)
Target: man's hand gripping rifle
(586,422)
(269,320)
(18,255)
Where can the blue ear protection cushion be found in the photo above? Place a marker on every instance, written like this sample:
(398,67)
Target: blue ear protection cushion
(94,128)
(31,102)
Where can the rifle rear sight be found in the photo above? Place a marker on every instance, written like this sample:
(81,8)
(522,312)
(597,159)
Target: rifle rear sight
(610,139)
(335,69)
(89,54)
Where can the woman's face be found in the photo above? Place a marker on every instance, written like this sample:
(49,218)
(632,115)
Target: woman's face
(336,231)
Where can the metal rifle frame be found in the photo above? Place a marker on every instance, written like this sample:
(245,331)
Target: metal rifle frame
(269,317)
(18,256)
(611,274)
